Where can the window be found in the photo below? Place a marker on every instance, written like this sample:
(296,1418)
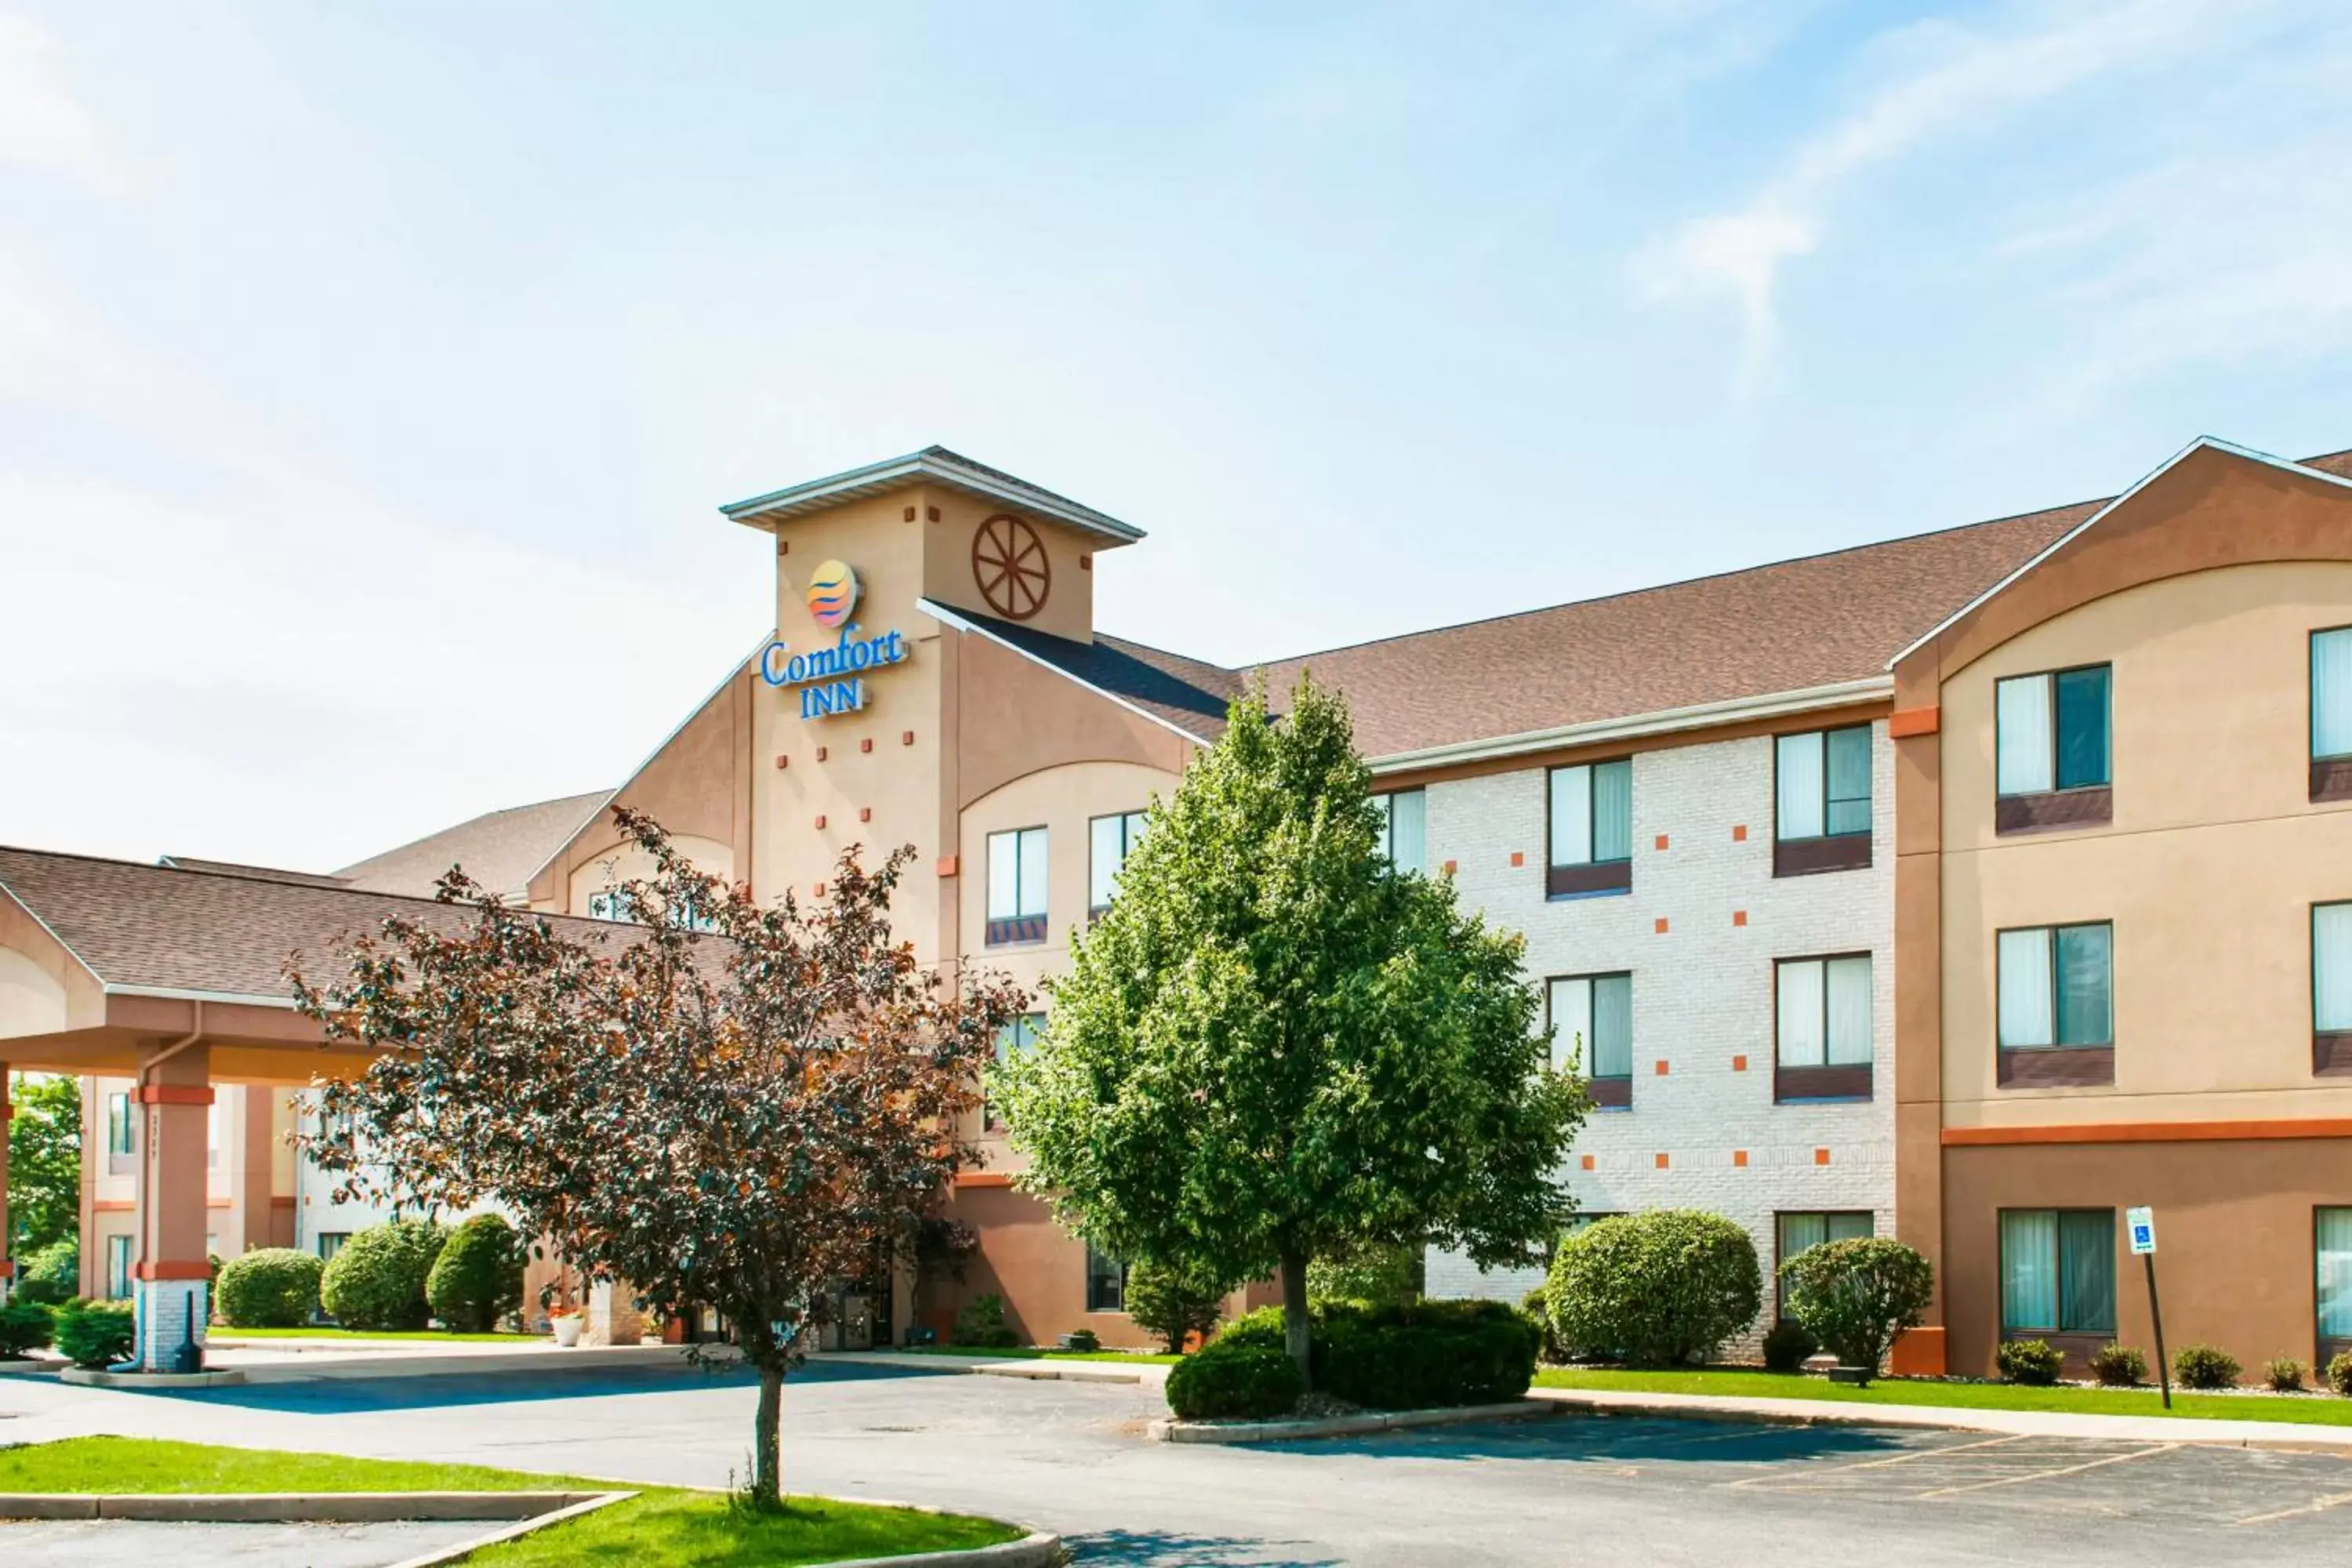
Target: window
(2331,714)
(2057,1006)
(2332,1243)
(2331,988)
(1109,841)
(1823,1028)
(2057,1271)
(118,1267)
(1017,1035)
(1592,829)
(121,1138)
(1592,1026)
(1105,1281)
(212,1139)
(1797,1232)
(1821,806)
(329,1242)
(2050,740)
(613,904)
(1016,886)
(1404,830)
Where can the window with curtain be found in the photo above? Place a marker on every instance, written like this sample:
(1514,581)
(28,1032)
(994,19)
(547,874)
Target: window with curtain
(118,1267)
(2331,968)
(1797,1232)
(1404,829)
(329,1242)
(2331,693)
(1823,1027)
(1016,886)
(1591,826)
(1593,1025)
(1015,1037)
(1105,1281)
(2058,1271)
(2050,731)
(1109,841)
(1821,783)
(120,1134)
(2056,988)
(2332,1234)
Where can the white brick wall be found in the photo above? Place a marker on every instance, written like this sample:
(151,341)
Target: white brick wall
(1703,990)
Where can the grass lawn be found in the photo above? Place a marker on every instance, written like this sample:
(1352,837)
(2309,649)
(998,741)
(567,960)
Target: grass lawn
(1039,1352)
(2311,1409)
(660,1527)
(324,1333)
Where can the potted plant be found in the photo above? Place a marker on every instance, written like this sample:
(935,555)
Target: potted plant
(565,1323)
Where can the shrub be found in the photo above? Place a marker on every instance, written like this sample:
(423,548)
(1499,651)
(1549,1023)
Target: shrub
(2202,1366)
(1856,1296)
(1170,1303)
(1659,1289)
(270,1288)
(1084,1340)
(2285,1374)
(1230,1380)
(2118,1366)
(981,1323)
(2339,1373)
(376,1280)
(94,1334)
(1377,1275)
(1787,1345)
(1536,1304)
(1420,1356)
(52,1276)
(2037,1362)
(24,1327)
(477,1278)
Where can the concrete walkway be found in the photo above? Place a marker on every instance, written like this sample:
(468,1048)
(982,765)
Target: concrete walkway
(2021,1422)
(1037,1369)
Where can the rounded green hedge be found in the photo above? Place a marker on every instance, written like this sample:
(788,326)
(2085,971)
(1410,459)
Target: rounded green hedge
(477,1278)
(1416,1355)
(376,1281)
(94,1334)
(1660,1288)
(24,1327)
(1858,1296)
(1225,1381)
(2203,1366)
(2036,1362)
(269,1288)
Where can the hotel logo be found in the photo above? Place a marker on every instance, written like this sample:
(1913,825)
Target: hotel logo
(832,593)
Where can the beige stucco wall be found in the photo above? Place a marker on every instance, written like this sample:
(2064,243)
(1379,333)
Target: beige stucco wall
(2208,870)
(32,1000)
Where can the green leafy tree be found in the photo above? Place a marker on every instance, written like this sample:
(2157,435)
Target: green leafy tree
(1166,1301)
(728,1117)
(1274,1047)
(44,1164)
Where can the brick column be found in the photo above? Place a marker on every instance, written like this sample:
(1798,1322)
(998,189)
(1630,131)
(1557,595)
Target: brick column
(611,1316)
(8,1259)
(170,1280)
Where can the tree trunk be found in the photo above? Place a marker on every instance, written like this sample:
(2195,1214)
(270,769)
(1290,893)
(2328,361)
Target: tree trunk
(767,1440)
(1297,1335)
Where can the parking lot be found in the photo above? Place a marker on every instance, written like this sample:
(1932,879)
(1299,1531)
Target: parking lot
(1072,1457)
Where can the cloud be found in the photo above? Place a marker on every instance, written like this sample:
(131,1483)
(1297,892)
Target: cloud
(42,126)
(1934,81)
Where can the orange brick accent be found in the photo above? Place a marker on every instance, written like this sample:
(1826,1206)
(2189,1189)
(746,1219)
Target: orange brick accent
(945,866)
(1917,1352)
(1739,1064)
(1518,856)
(1661,1162)
(820,753)
(1739,917)
(1907,722)
(2151,1131)
(905,737)
(196,1269)
(7,1269)
(1662,1069)
(1821,1156)
(1661,841)
(1086,562)
(818,891)
(1739,1158)
(1588,1161)
(1740,833)
(174,1094)
(1662,925)
(1449,867)
(983,1179)
(867,744)
(820,819)
(782,760)
(932,512)
(865,813)
(911,514)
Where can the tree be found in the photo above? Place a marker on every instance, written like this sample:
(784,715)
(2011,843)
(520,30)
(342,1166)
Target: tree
(732,1117)
(1857,1296)
(44,1164)
(1274,1047)
(1165,1300)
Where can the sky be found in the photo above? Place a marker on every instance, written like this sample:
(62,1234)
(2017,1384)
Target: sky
(371,375)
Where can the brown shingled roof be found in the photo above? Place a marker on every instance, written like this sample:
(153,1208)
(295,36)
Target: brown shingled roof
(237,868)
(499,849)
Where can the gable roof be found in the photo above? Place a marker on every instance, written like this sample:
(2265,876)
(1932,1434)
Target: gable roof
(934,465)
(266,873)
(499,849)
(1185,694)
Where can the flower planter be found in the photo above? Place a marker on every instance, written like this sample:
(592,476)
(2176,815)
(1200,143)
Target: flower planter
(566,1329)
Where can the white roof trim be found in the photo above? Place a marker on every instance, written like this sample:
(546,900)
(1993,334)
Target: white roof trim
(2216,443)
(34,916)
(1665,722)
(182,993)
(932,463)
(941,612)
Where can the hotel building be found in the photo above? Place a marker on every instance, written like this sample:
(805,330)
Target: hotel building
(1969,888)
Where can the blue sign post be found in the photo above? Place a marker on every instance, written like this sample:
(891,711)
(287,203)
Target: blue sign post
(2141,1224)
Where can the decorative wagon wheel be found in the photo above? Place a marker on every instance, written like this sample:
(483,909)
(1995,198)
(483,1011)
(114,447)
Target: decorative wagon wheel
(1009,561)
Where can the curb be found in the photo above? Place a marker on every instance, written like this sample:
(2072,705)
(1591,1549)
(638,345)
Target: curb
(1035,1549)
(33,1365)
(299,1507)
(319,1367)
(84,1378)
(1239,1432)
(1031,1371)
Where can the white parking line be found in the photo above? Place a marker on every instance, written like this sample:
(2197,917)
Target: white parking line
(2045,1475)
(2317,1505)
(1904,1458)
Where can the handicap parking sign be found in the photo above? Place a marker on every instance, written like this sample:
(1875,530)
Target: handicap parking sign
(2141,1223)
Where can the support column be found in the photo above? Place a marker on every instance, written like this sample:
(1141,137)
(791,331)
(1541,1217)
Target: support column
(611,1316)
(170,1280)
(8,1255)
